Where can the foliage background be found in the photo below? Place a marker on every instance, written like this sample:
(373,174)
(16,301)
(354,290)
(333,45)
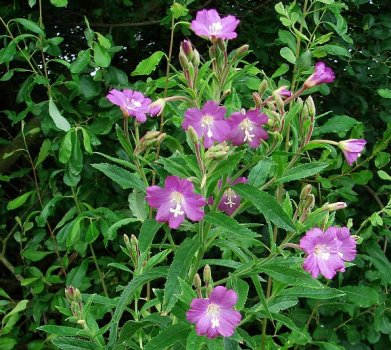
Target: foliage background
(30,267)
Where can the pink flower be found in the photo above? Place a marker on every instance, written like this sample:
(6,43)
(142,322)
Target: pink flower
(322,74)
(132,103)
(156,107)
(352,149)
(215,316)
(208,122)
(347,248)
(209,25)
(230,200)
(283,92)
(322,249)
(175,201)
(247,127)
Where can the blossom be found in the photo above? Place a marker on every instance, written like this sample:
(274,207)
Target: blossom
(230,200)
(209,25)
(247,127)
(323,254)
(175,201)
(208,122)
(322,74)
(215,315)
(283,92)
(347,248)
(156,107)
(132,103)
(352,149)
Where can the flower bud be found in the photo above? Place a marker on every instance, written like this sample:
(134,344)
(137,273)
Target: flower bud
(262,87)
(207,275)
(278,100)
(134,242)
(197,281)
(335,206)
(161,137)
(127,243)
(151,135)
(183,60)
(156,107)
(310,201)
(240,51)
(305,192)
(192,134)
(187,49)
(257,99)
(196,58)
(310,106)
(283,92)
(221,44)
(305,112)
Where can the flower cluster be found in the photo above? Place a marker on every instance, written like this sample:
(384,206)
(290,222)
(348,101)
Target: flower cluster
(242,127)
(215,315)
(327,251)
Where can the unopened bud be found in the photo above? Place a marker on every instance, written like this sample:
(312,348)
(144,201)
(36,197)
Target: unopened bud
(310,105)
(212,52)
(196,58)
(305,192)
(69,294)
(187,49)
(221,44)
(134,241)
(183,60)
(207,275)
(262,87)
(335,206)
(151,135)
(240,51)
(304,112)
(310,201)
(161,137)
(226,93)
(197,281)
(257,99)
(82,323)
(127,243)
(278,100)
(192,134)
(283,92)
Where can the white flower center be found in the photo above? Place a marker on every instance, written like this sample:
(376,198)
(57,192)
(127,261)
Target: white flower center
(132,103)
(321,251)
(230,193)
(214,310)
(177,198)
(207,122)
(247,126)
(215,28)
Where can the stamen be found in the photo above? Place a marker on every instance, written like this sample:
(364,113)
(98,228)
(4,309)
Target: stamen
(215,28)
(230,195)
(177,211)
(207,121)
(321,251)
(246,125)
(177,197)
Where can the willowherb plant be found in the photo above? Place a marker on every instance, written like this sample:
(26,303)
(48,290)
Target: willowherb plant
(241,153)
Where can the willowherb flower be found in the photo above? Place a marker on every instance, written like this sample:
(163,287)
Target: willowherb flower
(323,254)
(215,315)
(283,92)
(347,248)
(352,149)
(156,107)
(132,103)
(209,25)
(247,127)
(208,123)
(175,201)
(230,200)
(322,74)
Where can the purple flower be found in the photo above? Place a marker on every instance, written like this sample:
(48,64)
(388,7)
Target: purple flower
(352,149)
(175,201)
(283,92)
(208,122)
(347,248)
(209,25)
(156,107)
(215,316)
(132,103)
(323,74)
(230,200)
(247,127)
(323,252)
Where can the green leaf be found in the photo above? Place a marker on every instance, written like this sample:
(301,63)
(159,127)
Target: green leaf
(169,336)
(20,306)
(379,259)
(59,3)
(6,55)
(288,54)
(336,124)
(86,141)
(194,341)
(60,330)
(44,151)
(127,296)
(178,268)
(281,70)
(112,231)
(69,343)
(178,10)
(30,25)
(58,119)
(258,174)
(385,93)
(131,327)
(147,233)
(302,171)
(120,176)
(101,57)
(83,58)
(103,41)
(267,206)
(66,148)
(147,66)
(383,175)
(335,50)
(19,201)
(362,296)
(34,255)
(231,225)
(313,293)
